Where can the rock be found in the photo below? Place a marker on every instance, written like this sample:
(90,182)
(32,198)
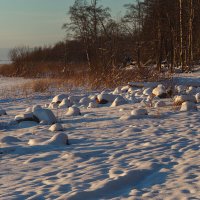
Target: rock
(58,99)
(125,89)
(139,112)
(183,98)
(188,106)
(75,99)
(118,101)
(45,115)
(9,139)
(27,124)
(191,90)
(117,91)
(2,112)
(160,91)
(160,104)
(197,96)
(181,89)
(92,105)
(66,103)
(147,91)
(53,105)
(36,107)
(85,101)
(106,98)
(58,139)
(73,111)
(26,117)
(56,127)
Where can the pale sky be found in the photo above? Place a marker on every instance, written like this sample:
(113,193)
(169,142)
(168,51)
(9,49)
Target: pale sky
(39,22)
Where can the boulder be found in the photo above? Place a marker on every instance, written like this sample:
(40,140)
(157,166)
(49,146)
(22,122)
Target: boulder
(106,98)
(45,115)
(58,98)
(197,96)
(118,101)
(139,112)
(92,105)
(58,139)
(56,127)
(160,104)
(183,98)
(147,91)
(66,103)
(188,106)
(53,105)
(85,101)
(73,111)
(160,91)
(26,117)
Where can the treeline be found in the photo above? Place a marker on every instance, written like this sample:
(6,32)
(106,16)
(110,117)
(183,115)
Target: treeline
(150,33)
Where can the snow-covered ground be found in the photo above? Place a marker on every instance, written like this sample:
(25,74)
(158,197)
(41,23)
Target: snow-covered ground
(111,153)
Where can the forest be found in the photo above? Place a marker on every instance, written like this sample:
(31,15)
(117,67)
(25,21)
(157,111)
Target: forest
(152,35)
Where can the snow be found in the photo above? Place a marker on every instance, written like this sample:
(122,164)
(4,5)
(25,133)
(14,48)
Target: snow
(104,153)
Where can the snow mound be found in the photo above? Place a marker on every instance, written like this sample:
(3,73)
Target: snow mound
(159,104)
(56,127)
(92,105)
(160,91)
(139,112)
(118,101)
(183,98)
(26,117)
(65,103)
(27,124)
(106,98)
(9,139)
(58,139)
(45,115)
(73,111)
(188,106)
(197,96)
(58,98)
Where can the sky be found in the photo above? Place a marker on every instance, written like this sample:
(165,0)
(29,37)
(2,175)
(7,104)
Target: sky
(38,22)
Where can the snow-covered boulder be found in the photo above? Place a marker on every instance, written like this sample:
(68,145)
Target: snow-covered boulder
(36,107)
(58,98)
(191,90)
(125,88)
(56,127)
(66,103)
(92,105)
(178,100)
(85,101)
(92,98)
(117,91)
(58,139)
(106,98)
(9,139)
(197,96)
(139,112)
(53,105)
(160,104)
(45,115)
(118,101)
(188,106)
(180,89)
(75,99)
(2,112)
(160,91)
(26,117)
(73,111)
(147,91)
